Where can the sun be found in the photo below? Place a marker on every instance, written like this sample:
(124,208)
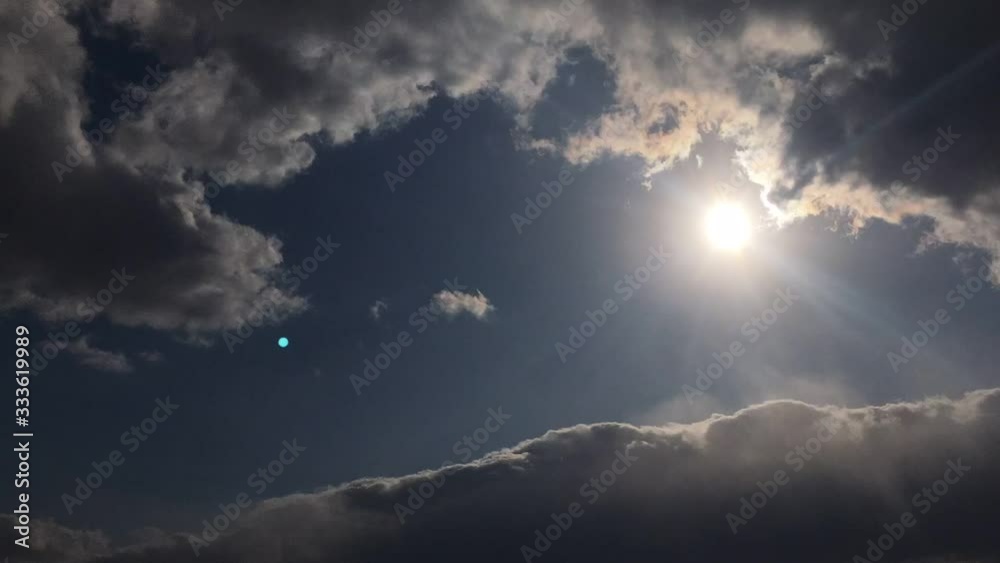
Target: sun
(727,227)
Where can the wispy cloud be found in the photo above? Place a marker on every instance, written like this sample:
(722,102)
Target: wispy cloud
(378,308)
(99,359)
(151,356)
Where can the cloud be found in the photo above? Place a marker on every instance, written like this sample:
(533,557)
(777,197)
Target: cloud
(98,359)
(151,356)
(671,505)
(246,99)
(883,99)
(195,271)
(50,542)
(454,303)
(377,308)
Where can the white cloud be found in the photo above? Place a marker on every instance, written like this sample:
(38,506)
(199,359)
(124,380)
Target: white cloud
(377,308)
(454,303)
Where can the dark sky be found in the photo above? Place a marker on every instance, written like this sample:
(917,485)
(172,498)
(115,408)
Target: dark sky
(247,168)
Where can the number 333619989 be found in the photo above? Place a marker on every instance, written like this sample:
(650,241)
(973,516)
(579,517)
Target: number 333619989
(21,353)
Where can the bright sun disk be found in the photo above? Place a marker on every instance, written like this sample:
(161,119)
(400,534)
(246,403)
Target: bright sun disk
(727,226)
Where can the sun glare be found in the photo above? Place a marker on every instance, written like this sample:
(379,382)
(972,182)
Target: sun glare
(727,227)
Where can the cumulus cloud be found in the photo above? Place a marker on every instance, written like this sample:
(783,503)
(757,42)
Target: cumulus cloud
(195,271)
(671,504)
(247,97)
(228,111)
(453,303)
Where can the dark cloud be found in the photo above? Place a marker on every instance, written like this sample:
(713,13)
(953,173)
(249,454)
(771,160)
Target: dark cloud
(238,100)
(937,75)
(249,92)
(50,542)
(76,240)
(671,504)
